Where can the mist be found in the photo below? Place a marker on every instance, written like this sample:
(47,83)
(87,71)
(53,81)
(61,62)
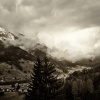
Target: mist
(70,29)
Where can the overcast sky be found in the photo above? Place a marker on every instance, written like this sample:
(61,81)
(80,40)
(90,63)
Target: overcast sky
(71,26)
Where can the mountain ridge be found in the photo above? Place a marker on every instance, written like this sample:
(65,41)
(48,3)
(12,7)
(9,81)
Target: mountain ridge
(15,56)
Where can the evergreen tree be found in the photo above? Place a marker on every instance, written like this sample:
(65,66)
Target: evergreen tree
(75,89)
(53,88)
(33,90)
(44,85)
(68,90)
(90,86)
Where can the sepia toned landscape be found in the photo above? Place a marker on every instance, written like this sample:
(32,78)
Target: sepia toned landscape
(49,50)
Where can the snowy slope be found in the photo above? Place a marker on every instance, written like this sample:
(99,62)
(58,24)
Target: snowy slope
(6,35)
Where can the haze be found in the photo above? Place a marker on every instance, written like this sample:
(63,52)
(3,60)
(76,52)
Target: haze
(70,28)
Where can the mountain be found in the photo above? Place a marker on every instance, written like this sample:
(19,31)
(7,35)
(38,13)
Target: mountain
(14,62)
(4,35)
(18,62)
(89,62)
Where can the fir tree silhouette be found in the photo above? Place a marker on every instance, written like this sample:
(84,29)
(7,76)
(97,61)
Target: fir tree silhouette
(44,85)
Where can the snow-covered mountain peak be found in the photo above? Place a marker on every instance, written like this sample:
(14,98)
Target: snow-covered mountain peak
(2,30)
(4,35)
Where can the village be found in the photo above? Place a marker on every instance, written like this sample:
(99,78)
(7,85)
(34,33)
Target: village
(20,86)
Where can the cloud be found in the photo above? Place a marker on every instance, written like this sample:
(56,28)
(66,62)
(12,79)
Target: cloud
(56,23)
(9,5)
(17,15)
(75,45)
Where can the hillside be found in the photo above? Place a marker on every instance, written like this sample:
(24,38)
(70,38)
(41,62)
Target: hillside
(16,62)
(21,61)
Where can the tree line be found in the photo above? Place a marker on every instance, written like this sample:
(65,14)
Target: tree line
(45,84)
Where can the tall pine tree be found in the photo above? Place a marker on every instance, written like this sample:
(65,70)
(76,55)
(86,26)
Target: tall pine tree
(34,87)
(52,86)
(44,85)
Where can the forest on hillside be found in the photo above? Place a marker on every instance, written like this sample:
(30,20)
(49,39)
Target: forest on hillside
(80,85)
(45,84)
